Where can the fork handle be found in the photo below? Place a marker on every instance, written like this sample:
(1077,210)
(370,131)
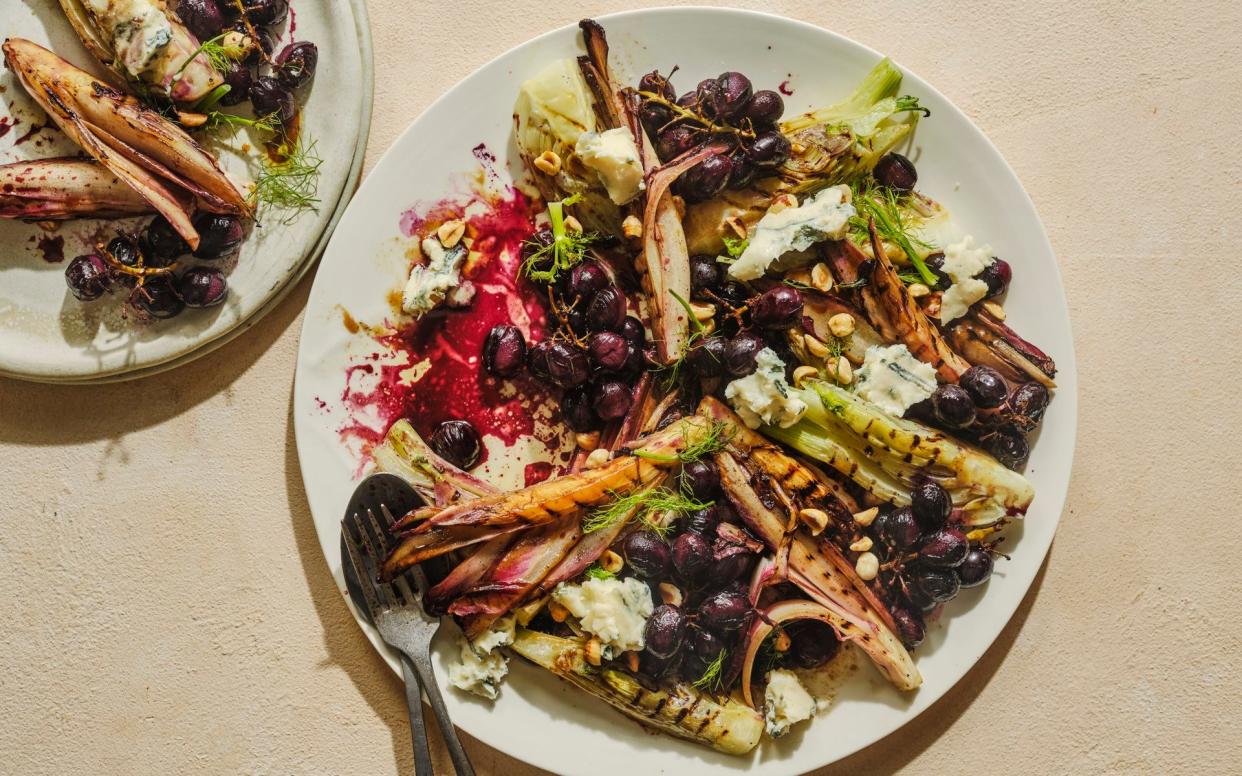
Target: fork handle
(461,763)
(418,727)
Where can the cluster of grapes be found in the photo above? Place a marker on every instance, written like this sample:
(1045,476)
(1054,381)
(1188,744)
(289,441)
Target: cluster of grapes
(146,266)
(710,558)
(927,560)
(595,357)
(725,111)
(270,94)
(982,405)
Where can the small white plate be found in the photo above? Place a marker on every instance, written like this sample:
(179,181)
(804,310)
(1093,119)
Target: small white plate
(537,718)
(48,335)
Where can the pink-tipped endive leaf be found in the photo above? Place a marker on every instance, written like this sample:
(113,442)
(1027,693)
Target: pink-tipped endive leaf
(63,188)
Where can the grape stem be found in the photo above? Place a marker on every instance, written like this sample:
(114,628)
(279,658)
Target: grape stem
(709,125)
(141,272)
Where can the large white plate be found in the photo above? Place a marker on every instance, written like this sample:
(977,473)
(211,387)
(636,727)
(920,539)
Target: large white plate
(537,718)
(47,335)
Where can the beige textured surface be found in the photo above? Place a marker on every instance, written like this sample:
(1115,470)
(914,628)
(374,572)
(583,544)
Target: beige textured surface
(166,608)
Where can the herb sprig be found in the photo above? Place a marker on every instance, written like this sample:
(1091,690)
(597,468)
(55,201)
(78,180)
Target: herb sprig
(566,250)
(595,571)
(883,204)
(716,435)
(712,678)
(642,504)
(289,184)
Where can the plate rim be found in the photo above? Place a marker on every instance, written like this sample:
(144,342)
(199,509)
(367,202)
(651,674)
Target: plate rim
(353,177)
(1067,365)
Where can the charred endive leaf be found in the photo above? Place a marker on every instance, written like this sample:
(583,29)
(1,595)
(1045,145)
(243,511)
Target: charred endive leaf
(56,189)
(679,710)
(142,148)
(145,43)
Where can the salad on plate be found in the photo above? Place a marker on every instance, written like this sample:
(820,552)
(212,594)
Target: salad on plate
(792,419)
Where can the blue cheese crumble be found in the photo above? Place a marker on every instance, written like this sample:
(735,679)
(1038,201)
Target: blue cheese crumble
(613,156)
(614,610)
(785,702)
(823,216)
(763,396)
(963,261)
(893,379)
(480,667)
(430,283)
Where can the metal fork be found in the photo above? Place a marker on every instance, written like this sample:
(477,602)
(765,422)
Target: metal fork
(396,608)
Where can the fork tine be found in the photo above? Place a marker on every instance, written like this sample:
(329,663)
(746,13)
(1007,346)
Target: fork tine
(380,533)
(375,557)
(366,581)
(401,586)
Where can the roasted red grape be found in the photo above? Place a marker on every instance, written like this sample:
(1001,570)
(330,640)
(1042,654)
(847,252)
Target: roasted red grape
(900,530)
(985,385)
(944,548)
(219,235)
(725,611)
(656,83)
(239,78)
(162,242)
(87,277)
(703,521)
(769,150)
(504,351)
(931,504)
(997,275)
(269,97)
(647,554)
(612,400)
(295,65)
(577,412)
(700,479)
(910,628)
(665,632)
(202,287)
(201,17)
(953,406)
(609,351)
(674,141)
(157,297)
(706,179)
(976,568)
(896,171)
(705,275)
(606,310)
(731,96)
(812,643)
(1029,401)
(692,557)
(936,584)
(632,330)
(1009,447)
(765,108)
(567,365)
(707,359)
(777,308)
(264,13)
(585,279)
(741,353)
(457,442)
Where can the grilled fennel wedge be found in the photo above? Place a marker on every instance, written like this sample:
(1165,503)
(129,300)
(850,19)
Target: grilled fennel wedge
(726,725)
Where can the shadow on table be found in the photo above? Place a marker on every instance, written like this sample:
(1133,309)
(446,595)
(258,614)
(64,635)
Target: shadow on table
(49,414)
(348,647)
